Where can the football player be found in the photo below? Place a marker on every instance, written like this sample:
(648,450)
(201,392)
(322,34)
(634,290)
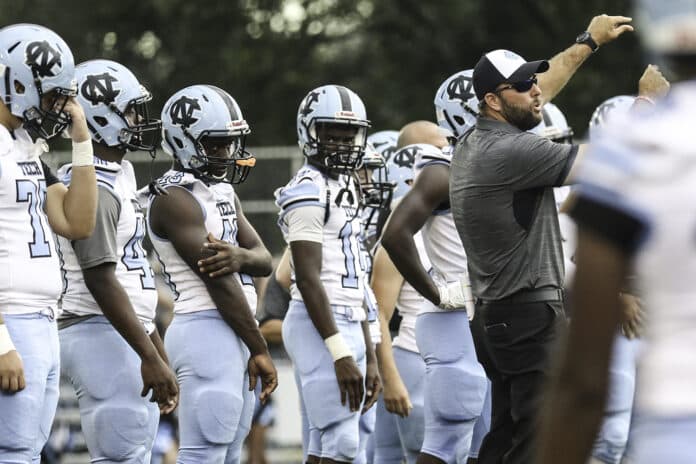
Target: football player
(455,383)
(38,102)
(325,331)
(635,220)
(401,366)
(213,343)
(110,349)
(612,439)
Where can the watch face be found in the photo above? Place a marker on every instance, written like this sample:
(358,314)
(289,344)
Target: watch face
(583,37)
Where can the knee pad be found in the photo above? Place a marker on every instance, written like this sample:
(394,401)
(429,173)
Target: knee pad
(455,392)
(124,431)
(341,441)
(322,399)
(217,415)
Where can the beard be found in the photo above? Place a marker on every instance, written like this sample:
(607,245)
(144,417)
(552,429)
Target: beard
(522,118)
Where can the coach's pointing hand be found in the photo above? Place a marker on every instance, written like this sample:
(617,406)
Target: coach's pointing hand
(604,29)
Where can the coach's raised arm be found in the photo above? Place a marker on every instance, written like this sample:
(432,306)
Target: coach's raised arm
(601,30)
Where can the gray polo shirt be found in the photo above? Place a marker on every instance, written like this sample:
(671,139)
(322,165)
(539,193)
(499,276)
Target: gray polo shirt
(502,200)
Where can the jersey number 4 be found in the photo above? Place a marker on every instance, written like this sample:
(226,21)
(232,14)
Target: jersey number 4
(134,256)
(34,194)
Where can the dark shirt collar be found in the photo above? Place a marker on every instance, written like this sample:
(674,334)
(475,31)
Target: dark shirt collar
(484,123)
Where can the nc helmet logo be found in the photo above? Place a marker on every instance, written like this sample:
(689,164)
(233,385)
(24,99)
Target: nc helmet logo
(309,101)
(460,88)
(43,59)
(406,157)
(182,111)
(99,88)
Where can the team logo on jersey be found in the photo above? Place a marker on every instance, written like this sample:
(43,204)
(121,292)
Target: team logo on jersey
(183,111)
(405,157)
(43,59)
(99,88)
(460,88)
(309,101)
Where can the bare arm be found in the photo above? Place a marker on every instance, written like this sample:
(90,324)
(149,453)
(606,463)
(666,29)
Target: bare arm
(250,257)
(283,273)
(71,211)
(603,29)
(430,190)
(178,217)
(578,394)
(386,284)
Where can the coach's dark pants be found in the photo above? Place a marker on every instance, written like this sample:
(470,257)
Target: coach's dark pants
(513,343)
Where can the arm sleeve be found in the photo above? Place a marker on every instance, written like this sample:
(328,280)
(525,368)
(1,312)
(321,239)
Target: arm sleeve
(48,175)
(101,246)
(534,161)
(305,223)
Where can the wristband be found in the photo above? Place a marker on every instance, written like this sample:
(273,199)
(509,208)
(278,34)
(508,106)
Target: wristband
(6,344)
(337,347)
(82,153)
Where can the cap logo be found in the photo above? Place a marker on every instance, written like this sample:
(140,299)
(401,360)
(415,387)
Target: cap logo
(43,59)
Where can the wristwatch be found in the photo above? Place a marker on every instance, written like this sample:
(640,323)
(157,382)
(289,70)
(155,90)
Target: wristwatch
(586,39)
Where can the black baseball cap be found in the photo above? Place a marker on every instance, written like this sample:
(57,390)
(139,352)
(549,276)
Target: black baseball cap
(499,66)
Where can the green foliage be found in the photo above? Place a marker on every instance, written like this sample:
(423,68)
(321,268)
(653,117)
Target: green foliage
(394,53)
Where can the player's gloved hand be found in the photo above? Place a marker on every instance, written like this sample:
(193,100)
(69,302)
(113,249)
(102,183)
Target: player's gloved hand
(457,295)
(226,258)
(11,372)
(261,366)
(159,378)
(373,384)
(350,382)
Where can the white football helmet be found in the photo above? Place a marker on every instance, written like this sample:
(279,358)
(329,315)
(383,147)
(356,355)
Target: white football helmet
(108,92)
(608,110)
(553,125)
(384,142)
(400,168)
(36,62)
(198,117)
(456,105)
(326,107)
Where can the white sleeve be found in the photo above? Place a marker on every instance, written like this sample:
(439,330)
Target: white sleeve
(306,223)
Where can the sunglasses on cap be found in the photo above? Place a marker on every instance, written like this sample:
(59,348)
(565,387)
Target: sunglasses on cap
(519,86)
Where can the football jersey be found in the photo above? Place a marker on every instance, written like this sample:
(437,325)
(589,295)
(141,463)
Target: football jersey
(342,267)
(123,245)
(638,185)
(568,233)
(30,278)
(442,243)
(409,304)
(218,206)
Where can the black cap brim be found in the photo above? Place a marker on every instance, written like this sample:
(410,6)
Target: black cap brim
(528,69)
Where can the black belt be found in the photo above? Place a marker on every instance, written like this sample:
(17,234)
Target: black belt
(528,296)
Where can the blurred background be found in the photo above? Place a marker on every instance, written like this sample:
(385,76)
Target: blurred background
(269,53)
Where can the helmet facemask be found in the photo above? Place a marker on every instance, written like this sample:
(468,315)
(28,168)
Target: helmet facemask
(49,118)
(142,132)
(339,145)
(222,157)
